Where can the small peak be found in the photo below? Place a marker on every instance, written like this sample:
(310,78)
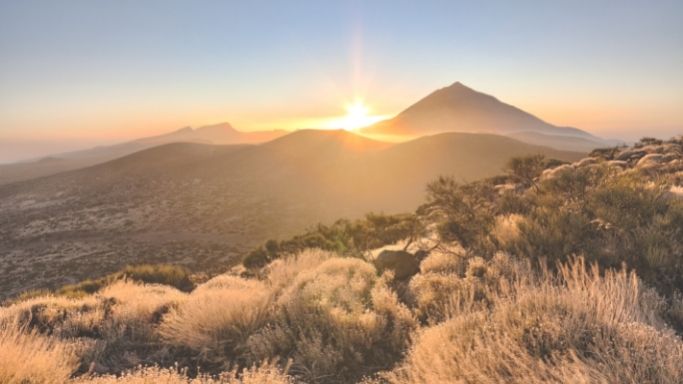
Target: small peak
(216,127)
(460,86)
(184,130)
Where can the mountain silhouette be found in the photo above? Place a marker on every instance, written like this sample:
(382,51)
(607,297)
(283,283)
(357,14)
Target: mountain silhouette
(458,108)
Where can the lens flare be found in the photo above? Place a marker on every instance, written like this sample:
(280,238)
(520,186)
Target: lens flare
(357,116)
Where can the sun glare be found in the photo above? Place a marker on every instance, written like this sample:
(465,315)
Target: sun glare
(357,116)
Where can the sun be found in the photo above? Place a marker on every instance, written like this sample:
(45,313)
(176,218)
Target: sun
(357,116)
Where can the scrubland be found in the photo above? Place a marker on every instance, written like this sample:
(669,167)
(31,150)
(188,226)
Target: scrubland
(550,273)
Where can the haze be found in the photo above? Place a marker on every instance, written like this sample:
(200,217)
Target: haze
(81,73)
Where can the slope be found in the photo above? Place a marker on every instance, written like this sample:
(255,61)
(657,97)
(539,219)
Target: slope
(204,205)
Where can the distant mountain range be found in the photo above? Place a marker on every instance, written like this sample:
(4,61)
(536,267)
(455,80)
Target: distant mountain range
(458,108)
(205,205)
(222,133)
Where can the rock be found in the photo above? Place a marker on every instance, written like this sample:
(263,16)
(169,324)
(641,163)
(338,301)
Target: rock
(618,163)
(502,188)
(650,160)
(554,172)
(586,161)
(631,154)
(403,264)
(653,148)
(669,157)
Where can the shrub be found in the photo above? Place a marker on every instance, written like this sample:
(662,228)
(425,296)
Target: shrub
(344,237)
(464,212)
(610,219)
(526,169)
(337,322)
(53,315)
(579,328)
(461,283)
(167,274)
(218,317)
(281,272)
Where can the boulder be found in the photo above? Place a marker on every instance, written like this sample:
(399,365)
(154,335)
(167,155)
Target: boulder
(650,160)
(586,161)
(404,264)
(552,173)
(631,154)
(618,163)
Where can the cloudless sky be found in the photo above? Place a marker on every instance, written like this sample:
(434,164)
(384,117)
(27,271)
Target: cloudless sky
(78,72)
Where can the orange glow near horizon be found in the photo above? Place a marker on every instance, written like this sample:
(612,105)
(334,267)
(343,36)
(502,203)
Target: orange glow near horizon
(358,115)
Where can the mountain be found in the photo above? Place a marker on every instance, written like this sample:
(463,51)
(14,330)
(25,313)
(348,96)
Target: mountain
(575,143)
(458,108)
(205,205)
(222,133)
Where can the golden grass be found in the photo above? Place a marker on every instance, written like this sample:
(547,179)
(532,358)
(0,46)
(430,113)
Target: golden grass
(29,358)
(578,327)
(263,374)
(335,320)
(219,316)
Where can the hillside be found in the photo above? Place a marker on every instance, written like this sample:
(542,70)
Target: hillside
(458,108)
(546,272)
(219,134)
(204,206)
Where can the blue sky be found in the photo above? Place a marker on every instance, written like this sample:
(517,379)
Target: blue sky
(78,72)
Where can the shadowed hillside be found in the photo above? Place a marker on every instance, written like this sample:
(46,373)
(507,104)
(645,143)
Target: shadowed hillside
(204,206)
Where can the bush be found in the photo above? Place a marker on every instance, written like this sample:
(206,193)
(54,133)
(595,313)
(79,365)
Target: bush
(344,237)
(337,322)
(464,212)
(580,328)
(217,318)
(451,283)
(167,274)
(610,219)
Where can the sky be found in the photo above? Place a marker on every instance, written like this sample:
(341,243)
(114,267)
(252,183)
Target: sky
(76,73)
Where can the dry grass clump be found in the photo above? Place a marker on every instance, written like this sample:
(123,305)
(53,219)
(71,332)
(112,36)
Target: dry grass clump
(117,325)
(263,374)
(281,272)
(445,260)
(578,327)
(336,322)
(49,314)
(29,358)
(506,229)
(455,282)
(218,317)
(137,308)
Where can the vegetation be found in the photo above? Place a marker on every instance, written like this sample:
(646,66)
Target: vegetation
(173,275)
(550,273)
(345,237)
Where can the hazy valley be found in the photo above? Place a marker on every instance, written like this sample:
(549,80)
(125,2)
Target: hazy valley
(205,206)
